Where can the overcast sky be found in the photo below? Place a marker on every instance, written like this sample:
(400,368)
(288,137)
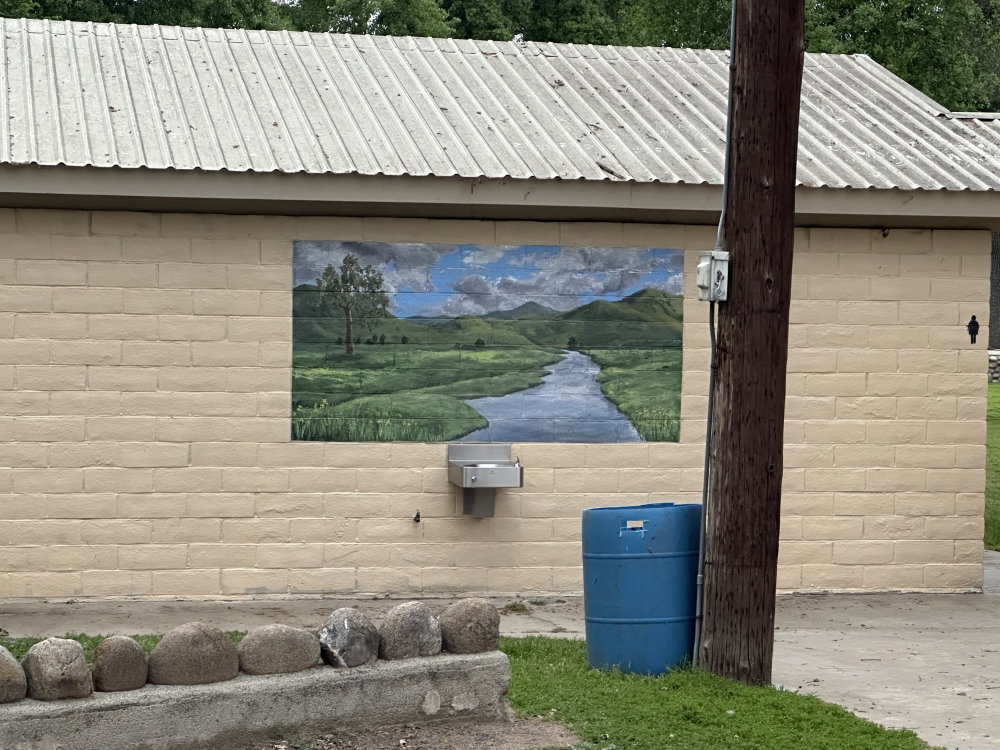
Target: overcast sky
(449,280)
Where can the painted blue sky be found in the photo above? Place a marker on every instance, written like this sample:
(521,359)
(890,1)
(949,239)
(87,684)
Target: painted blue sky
(449,280)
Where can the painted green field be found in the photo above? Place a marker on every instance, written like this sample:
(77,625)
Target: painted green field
(383,378)
(645,385)
(406,393)
(417,393)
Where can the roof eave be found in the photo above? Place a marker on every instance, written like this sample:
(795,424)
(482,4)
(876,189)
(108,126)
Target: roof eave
(195,191)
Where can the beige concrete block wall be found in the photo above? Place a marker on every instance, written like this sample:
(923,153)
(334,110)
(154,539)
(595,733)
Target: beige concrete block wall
(144,428)
(885,427)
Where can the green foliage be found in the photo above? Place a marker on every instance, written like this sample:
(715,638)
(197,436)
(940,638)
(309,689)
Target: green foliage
(697,24)
(243,14)
(947,50)
(20,9)
(686,709)
(992,535)
(579,21)
(488,19)
(228,14)
(396,17)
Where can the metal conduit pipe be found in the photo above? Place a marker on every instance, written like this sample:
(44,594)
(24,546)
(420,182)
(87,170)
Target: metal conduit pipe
(719,245)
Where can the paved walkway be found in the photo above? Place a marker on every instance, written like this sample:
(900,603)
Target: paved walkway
(930,663)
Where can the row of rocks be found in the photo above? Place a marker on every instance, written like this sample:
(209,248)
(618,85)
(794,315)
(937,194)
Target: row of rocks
(994,371)
(196,653)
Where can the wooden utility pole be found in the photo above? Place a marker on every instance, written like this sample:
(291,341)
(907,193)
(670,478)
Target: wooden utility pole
(747,425)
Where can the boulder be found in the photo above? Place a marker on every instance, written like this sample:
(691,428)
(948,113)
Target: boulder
(470,626)
(348,638)
(13,685)
(193,654)
(57,668)
(277,649)
(409,630)
(119,664)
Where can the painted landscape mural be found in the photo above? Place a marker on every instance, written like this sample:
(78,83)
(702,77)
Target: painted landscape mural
(530,343)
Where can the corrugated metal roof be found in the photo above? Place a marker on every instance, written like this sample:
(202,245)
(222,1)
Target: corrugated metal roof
(102,95)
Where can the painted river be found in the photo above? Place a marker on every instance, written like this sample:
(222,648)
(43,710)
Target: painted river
(568,407)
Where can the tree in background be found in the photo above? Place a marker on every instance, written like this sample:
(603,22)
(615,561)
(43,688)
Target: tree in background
(223,14)
(579,21)
(68,10)
(19,9)
(697,24)
(355,293)
(395,17)
(231,14)
(948,50)
(488,19)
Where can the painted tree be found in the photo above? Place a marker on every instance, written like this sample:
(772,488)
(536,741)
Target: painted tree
(354,292)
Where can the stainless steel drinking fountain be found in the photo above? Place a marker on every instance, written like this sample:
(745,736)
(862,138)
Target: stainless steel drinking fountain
(479,468)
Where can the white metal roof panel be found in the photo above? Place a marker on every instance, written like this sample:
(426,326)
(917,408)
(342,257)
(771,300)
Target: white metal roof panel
(102,95)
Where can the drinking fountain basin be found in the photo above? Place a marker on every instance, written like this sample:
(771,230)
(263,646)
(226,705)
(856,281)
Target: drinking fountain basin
(479,469)
(485,475)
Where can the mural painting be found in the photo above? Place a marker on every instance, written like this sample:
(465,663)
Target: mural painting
(531,343)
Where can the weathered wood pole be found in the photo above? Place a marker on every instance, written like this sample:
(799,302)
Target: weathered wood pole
(747,425)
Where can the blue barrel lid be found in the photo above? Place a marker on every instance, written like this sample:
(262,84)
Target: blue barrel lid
(631,507)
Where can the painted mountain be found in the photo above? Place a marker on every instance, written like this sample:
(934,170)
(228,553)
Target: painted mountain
(647,318)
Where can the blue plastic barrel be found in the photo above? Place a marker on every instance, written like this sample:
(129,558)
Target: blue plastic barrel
(640,569)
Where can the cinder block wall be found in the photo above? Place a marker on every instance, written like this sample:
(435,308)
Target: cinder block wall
(145,378)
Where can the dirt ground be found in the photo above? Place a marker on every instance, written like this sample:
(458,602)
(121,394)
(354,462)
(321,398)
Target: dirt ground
(518,734)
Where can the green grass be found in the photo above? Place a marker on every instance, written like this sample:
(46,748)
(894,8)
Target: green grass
(992,535)
(686,709)
(19,646)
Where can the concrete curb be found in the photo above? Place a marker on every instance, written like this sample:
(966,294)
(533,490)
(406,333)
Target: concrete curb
(225,714)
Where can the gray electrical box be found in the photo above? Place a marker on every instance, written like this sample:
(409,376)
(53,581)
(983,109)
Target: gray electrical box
(712,276)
